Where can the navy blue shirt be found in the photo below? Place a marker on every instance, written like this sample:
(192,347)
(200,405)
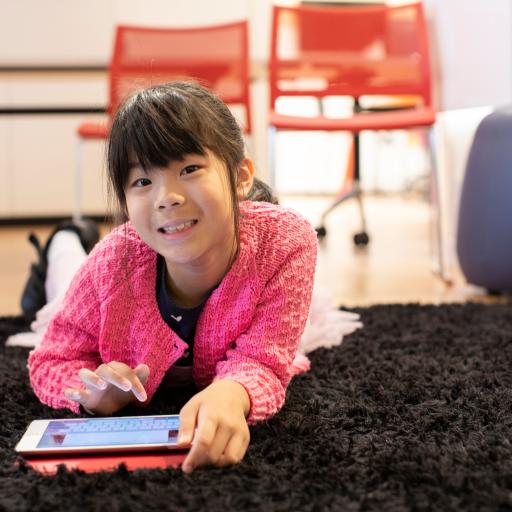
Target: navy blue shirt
(182,321)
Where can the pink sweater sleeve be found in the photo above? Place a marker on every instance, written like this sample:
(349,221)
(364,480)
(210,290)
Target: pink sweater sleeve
(263,356)
(70,343)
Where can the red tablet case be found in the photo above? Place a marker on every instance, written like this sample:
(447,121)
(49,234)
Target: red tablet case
(110,462)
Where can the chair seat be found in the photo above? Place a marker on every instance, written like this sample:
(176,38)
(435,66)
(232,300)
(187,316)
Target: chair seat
(389,120)
(93,130)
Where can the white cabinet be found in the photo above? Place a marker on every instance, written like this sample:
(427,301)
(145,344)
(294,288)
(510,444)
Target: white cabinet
(4,170)
(39,114)
(38,163)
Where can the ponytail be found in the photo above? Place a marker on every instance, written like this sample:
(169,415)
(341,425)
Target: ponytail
(260,191)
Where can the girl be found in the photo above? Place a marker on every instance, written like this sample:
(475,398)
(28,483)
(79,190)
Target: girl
(198,286)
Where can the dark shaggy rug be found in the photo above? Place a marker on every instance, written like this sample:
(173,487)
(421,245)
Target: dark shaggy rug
(412,412)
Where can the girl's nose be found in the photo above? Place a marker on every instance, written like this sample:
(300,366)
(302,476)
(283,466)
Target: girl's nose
(168,198)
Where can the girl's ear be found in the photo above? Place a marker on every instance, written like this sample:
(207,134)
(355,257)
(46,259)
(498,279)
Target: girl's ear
(245,178)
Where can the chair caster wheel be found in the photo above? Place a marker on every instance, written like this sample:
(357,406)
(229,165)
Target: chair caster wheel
(361,239)
(321,232)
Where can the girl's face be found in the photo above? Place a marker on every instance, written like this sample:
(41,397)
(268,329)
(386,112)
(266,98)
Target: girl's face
(184,211)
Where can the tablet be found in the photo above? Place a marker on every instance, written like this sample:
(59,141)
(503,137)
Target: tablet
(99,435)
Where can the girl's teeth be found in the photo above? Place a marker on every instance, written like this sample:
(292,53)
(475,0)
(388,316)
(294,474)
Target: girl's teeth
(181,227)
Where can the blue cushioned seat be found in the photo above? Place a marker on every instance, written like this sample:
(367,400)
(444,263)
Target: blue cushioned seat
(484,237)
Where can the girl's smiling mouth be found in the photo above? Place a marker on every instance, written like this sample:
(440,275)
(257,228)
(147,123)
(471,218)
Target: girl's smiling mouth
(177,228)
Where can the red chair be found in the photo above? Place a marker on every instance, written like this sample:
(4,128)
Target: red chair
(215,55)
(374,54)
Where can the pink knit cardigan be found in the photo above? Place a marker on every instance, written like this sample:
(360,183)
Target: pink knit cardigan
(248,331)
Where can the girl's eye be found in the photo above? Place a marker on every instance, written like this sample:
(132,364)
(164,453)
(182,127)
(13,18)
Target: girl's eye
(189,169)
(141,182)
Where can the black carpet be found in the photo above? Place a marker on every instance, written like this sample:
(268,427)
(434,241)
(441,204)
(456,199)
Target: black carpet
(412,412)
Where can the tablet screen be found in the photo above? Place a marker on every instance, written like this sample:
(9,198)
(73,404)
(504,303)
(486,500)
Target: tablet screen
(144,430)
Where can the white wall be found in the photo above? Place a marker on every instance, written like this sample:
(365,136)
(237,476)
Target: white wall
(472,49)
(80,32)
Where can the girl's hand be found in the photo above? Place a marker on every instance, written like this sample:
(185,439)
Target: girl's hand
(110,388)
(217,414)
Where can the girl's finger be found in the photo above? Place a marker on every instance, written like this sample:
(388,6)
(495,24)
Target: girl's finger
(142,372)
(188,419)
(78,395)
(219,445)
(108,374)
(141,376)
(73,394)
(203,439)
(90,378)
(138,389)
(234,452)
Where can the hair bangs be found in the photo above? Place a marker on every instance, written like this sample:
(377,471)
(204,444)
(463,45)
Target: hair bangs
(156,135)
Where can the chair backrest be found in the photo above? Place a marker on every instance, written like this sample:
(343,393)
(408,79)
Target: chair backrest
(215,55)
(349,51)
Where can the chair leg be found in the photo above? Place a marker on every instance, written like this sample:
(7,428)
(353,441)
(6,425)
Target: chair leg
(77,208)
(440,267)
(361,238)
(354,192)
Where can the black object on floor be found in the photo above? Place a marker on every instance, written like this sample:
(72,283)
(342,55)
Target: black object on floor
(412,412)
(33,297)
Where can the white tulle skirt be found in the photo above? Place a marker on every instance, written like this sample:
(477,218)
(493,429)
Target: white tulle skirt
(326,326)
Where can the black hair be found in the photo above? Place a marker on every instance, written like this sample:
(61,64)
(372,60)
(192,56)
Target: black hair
(260,191)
